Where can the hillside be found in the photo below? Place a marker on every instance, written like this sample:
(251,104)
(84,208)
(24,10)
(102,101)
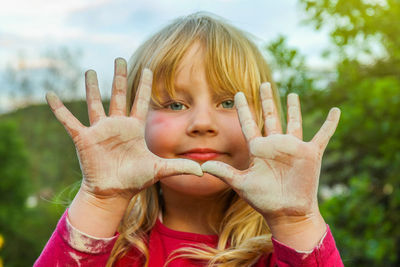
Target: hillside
(53,178)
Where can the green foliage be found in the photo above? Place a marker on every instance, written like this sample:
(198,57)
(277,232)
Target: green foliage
(364,153)
(365,25)
(14,189)
(52,148)
(359,222)
(366,146)
(34,144)
(13,163)
(292,76)
(289,68)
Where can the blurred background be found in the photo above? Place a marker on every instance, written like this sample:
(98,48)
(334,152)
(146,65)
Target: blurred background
(343,53)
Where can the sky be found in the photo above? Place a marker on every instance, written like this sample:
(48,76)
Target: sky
(105,29)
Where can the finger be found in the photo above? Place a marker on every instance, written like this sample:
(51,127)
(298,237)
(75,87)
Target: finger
(249,127)
(118,96)
(223,171)
(273,146)
(93,98)
(294,126)
(272,123)
(142,99)
(169,167)
(71,124)
(324,134)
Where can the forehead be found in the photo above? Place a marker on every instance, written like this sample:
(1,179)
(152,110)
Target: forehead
(197,67)
(191,69)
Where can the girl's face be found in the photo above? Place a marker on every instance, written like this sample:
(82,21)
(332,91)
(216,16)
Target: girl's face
(196,124)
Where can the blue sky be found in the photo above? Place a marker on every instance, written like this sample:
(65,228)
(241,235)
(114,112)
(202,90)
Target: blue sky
(105,29)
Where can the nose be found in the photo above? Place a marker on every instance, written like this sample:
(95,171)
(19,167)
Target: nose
(202,122)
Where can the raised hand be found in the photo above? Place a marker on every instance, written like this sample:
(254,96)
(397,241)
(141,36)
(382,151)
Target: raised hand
(112,152)
(283,176)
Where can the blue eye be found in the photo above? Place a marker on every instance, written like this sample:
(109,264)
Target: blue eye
(228,104)
(176,106)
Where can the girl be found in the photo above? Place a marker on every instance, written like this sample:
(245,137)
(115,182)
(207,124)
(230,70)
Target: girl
(186,177)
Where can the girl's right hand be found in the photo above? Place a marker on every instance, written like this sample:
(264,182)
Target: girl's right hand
(112,151)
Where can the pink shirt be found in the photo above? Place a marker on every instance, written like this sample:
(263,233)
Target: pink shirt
(70,247)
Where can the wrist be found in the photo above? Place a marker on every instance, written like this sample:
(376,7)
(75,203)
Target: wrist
(302,233)
(99,217)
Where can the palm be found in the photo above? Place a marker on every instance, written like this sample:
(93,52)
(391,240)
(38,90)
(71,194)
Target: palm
(114,148)
(289,178)
(284,172)
(112,152)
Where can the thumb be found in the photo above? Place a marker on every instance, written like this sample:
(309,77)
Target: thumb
(223,171)
(169,167)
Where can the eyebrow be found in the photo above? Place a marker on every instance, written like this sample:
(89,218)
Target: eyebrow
(181,90)
(222,95)
(216,96)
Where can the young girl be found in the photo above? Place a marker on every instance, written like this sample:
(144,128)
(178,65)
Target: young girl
(193,174)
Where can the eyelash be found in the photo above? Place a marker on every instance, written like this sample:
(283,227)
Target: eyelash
(170,104)
(232,103)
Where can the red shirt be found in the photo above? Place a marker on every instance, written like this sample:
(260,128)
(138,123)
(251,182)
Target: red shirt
(70,247)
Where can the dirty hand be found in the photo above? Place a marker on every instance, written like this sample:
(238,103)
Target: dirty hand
(112,151)
(282,180)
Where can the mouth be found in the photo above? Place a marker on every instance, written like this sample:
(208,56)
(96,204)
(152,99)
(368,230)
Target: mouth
(202,154)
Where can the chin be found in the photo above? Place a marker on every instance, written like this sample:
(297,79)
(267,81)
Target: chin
(206,185)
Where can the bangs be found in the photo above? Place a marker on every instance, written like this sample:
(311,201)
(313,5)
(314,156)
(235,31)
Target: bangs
(232,62)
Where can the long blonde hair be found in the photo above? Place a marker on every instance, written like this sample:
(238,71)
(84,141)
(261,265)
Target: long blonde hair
(233,63)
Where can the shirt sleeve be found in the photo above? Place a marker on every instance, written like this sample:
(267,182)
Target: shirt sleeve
(324,255)
(70,247)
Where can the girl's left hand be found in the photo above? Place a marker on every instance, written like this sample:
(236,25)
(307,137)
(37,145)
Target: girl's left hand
(282,180)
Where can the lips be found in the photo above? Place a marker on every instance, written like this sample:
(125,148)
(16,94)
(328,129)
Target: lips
(201,154)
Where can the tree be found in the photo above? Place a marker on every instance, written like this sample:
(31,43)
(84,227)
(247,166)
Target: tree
(364,153)
(14,189)
(38,157)
(55,70)
(289,68)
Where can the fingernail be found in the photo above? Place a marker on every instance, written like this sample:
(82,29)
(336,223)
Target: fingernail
(90,73)
(293,99)
(265,90)
(51,96)
(91,76)
(240,99)
(120,66)
(334,113)
(53,100)
(147,74)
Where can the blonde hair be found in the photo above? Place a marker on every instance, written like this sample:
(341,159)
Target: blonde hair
(233,63)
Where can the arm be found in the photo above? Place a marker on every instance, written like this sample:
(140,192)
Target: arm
(70,247)
(99,217)
(324,254)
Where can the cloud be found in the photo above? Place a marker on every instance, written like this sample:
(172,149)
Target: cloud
(9,40)
(105,29)
(42,19)
(36,8)
(35,64)
(121,20)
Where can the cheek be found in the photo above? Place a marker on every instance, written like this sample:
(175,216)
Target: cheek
(234,130)
(239,147)
(162,132)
